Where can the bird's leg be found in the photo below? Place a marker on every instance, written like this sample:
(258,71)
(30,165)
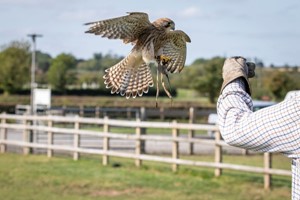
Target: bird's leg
(162,61)
(163,85)
(157,86)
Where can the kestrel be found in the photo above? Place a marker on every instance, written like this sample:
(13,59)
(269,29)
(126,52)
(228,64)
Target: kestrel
(156,43)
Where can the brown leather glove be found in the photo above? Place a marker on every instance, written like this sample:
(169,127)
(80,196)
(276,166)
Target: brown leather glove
(236,67)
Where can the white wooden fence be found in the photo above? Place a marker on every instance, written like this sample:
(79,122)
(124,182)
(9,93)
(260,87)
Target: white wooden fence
(13,122)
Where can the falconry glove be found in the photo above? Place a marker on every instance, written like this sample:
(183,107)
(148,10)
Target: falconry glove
(237,67)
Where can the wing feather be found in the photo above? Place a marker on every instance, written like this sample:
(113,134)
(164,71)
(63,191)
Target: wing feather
(175,48)
(127,28)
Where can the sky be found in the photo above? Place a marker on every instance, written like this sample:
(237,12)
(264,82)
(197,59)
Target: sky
(268,30)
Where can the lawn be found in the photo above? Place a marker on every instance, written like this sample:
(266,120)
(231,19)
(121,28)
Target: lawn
(36,177)
(185,98)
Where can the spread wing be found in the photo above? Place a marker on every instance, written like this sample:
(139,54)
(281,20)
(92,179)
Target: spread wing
(175,48)
(127,28)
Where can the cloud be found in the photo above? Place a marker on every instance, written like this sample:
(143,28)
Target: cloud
(190,12)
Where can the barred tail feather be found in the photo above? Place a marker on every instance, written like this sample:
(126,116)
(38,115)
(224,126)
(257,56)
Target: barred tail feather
(129,81)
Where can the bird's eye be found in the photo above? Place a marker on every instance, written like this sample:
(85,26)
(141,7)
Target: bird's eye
(168,24)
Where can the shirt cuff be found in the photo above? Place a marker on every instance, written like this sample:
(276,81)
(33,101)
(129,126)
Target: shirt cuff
(236,85)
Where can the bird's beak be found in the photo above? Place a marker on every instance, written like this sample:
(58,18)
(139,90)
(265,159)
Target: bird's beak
(172,28)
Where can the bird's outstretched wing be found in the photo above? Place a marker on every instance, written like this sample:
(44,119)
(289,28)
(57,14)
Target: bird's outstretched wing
(175,49)
(127,28)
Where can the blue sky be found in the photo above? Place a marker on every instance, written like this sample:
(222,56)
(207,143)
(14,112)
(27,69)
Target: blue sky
(268,30)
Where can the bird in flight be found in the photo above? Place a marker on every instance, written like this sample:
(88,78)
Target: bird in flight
(156,43)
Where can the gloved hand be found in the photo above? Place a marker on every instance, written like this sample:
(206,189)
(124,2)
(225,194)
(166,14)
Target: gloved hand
(236,67)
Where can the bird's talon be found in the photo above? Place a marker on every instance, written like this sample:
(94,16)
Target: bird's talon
(164,60)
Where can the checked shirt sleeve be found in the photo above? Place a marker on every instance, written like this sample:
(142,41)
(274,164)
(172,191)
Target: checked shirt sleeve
(272,129)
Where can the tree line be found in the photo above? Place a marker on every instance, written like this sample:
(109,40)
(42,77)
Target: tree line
(68,72)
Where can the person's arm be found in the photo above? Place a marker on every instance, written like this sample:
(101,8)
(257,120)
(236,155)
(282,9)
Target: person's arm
(272,129)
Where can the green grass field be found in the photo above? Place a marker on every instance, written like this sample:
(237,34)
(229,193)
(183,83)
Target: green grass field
(184,98)
(36,177)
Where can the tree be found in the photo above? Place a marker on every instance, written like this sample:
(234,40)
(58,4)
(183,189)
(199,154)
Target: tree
(109,60)
(43,63)
(280,83)
(210,82)
(60,73)
(98,62)
(14,66)
(90,79)
(188,75)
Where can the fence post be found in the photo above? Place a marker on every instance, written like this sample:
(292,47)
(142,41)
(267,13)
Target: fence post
(138,162)
(143,130)
(267,166)
(191,133)
(162,113)
(76,138)
(245,152)
(218,153)
(143,113)
(175,145)
(3,136)
(97,112)
(128,113)
(81,110)
(26,136)
(105,160)
(64,110)
(50,139)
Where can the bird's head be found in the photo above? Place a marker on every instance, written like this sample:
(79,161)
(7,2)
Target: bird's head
(164,23)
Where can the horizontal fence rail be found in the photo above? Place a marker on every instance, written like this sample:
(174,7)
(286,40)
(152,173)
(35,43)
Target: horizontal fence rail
(27,125)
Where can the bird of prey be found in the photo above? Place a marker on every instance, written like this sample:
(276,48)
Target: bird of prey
(156,43)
